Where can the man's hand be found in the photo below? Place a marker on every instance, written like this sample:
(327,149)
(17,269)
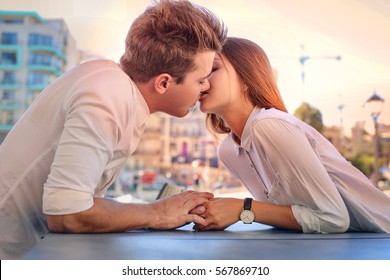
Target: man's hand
(175,211)
(111,216)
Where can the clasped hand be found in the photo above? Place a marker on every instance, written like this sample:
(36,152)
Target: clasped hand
(201,208)
(218,213)
(178,210)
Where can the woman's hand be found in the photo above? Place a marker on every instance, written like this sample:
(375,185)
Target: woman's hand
(220,213)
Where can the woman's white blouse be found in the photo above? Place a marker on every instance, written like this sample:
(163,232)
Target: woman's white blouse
(284,161)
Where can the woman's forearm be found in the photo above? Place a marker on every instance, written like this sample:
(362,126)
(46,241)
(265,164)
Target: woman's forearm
(280,216)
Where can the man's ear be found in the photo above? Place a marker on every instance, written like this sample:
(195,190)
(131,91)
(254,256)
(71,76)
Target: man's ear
(162,83)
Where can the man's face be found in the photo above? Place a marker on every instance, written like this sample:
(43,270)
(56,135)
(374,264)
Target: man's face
(182,97)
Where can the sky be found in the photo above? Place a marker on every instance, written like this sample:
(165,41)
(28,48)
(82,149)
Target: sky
(355,30)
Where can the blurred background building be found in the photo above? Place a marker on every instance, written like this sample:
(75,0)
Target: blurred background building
(34,51)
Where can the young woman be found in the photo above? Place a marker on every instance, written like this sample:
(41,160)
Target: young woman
(298,179)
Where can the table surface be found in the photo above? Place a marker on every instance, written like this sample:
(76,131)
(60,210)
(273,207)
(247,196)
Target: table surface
(238,242)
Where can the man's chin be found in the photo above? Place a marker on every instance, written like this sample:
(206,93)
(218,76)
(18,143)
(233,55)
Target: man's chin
(183,114)
(178,114)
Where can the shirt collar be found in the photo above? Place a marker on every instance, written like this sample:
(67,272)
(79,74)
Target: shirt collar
(236,147)
(246,138)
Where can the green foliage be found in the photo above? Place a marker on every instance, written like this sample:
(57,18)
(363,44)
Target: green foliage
(310,115)
(363,162)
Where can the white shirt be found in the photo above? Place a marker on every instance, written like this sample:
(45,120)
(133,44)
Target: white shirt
(284,161)
(67,148)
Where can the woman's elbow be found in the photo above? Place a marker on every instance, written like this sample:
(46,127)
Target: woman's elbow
(339,224)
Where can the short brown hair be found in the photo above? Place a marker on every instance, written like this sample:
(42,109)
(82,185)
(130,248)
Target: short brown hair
(166,38)
(254,69)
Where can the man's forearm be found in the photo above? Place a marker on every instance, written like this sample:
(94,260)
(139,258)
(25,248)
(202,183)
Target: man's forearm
(112,216)
(105,216)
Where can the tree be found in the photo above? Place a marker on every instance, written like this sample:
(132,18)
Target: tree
(310,115)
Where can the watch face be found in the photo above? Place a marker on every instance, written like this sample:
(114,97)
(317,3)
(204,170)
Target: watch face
(247,216)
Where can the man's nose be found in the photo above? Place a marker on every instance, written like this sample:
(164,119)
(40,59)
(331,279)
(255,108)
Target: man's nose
(206,85)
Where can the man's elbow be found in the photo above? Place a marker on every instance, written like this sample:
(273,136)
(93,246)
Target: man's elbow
(55,223)
(64,224)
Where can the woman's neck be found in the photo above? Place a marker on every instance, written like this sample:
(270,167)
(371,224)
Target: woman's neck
(236,121)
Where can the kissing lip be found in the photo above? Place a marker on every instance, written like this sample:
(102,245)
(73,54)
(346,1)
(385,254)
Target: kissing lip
(203,94)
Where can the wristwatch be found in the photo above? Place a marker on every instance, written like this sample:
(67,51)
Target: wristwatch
(247,216)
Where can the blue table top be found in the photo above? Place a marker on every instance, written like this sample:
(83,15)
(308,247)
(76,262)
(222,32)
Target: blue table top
(238,242)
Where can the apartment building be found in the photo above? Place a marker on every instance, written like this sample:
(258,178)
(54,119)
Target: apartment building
(168,140)
(33,52)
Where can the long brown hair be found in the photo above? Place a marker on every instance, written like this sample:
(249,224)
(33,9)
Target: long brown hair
(254,69)
(167,37)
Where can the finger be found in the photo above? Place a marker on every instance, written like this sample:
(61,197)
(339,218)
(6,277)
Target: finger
(183,195)
(208,195)
(197,227)
(196,199)
(199,210)
(188,195)
(205,228)
(196,219)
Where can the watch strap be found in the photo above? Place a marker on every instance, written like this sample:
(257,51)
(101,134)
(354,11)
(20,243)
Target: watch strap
(248,203)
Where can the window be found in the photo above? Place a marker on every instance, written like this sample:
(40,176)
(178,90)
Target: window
(8,58)
(42,59)
(8,96)
(9,78)
(8,38)
(38,79)
(30,96)
(11,21)
(35,39)
(6,117)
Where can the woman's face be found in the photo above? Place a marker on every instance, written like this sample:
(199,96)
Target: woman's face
(225,88)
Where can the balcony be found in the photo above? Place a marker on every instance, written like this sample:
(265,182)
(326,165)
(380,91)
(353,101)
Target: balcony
(11,57)
(45,68)
(36,87)
(8,106)
(5,127)
(9,86)
(48,49)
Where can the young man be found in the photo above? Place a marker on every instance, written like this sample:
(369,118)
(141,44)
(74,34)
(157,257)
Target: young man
(70,145)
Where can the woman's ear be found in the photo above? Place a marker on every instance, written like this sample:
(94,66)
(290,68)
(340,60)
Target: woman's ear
(162,83)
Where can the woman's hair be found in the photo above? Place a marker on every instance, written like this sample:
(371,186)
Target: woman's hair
(253,67)
(167,37)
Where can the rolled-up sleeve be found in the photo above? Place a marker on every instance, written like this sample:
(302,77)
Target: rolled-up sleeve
(85,148)
(306,185)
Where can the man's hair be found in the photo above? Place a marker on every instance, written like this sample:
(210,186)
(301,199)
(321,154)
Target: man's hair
(167,37)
